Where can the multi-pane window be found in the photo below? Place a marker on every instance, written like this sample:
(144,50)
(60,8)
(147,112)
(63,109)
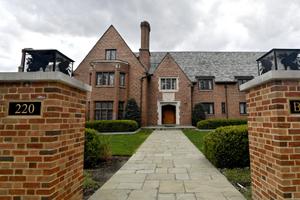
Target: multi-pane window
(122,79)
(205,84)
(103,110)
(110,54)
(243,108)
(105,78)
(208,108)
(223,106)
(168,83)
(121,112)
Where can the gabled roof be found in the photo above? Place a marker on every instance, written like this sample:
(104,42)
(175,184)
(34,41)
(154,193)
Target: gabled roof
(224,66)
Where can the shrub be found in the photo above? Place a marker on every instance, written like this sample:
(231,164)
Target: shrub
(112,125)
(198,114)
(96,148)
(227,147)
(132,111)
(215,123)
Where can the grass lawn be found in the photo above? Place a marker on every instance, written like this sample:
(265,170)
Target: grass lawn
(235,176)
(196,137)
(126,145)
(240,176)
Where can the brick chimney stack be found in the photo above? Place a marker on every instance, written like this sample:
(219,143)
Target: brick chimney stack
(145,40)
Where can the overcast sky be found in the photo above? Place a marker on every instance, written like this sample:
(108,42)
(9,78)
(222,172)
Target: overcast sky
(74,26)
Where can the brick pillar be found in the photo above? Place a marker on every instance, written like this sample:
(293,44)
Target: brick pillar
(274,135)
(41,157)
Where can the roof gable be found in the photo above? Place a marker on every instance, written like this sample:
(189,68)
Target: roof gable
(169,56)
(111,36)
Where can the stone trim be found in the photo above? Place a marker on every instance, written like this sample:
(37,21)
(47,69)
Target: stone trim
(44,76)
(270,76)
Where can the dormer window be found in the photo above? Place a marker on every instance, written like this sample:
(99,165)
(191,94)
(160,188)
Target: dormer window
(110,54)
(243,79)
(205,84)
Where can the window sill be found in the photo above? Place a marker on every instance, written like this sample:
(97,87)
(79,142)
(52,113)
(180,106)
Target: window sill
(206,90)
(244,114)
(122,87)
(168,90)
(104,86)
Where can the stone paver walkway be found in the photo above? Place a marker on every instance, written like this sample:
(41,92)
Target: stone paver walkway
(167,166)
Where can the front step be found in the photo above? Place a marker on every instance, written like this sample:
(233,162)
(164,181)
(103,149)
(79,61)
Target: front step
(169,127)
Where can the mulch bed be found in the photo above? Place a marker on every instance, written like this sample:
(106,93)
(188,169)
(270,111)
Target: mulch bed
(103,172)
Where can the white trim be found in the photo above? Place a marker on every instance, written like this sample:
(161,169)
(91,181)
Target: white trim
(159,110)
(159,84)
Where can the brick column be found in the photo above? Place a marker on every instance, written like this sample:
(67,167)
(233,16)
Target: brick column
(41,157)
(274,135)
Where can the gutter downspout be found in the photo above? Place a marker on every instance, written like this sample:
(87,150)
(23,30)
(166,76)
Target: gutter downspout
(141,96)
(226,100)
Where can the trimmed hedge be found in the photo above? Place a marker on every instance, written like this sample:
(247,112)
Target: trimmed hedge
(112,125)
(216,123)
(227,147)
(96,148)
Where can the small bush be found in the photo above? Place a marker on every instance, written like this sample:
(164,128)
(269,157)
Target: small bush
(227,147)
(215,123)
(198,114)
(96,148)
(112,125)
(132,111)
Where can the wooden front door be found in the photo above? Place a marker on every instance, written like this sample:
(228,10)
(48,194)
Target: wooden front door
(168,114)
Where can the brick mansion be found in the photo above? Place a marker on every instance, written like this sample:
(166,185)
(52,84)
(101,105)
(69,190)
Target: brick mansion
(165,85)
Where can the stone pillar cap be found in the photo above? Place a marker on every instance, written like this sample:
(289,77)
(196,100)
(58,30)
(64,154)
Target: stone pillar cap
(42,77)
(271,76)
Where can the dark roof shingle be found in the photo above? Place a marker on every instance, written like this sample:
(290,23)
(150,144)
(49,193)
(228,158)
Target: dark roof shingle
(224,66)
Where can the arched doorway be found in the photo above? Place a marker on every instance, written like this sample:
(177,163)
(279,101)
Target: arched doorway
(168,114)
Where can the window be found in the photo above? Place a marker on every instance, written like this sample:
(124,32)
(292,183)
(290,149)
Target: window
(206,84)
(243,108)
(168,83)
(105,78)
(223,106)
(242,81)
(122,79)
(103,110)
(110,54)
(208,108)
(121,112)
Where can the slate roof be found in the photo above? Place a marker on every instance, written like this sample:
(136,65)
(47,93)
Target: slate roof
(224,66)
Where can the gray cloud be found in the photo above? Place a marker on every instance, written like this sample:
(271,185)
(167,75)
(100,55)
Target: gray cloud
(74,26)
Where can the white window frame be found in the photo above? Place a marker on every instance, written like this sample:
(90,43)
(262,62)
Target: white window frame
(243,107)
(168,90)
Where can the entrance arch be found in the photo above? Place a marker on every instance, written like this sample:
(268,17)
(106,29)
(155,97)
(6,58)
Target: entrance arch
(168,114)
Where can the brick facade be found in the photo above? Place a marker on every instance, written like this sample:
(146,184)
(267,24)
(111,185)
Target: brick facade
(169,68)
(134,72)
(274,140)
(41,157)
(143,85)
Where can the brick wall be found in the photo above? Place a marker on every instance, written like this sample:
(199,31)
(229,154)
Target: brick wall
(42,157)
(274,140)
(217,96)
(169,68)
(111,39)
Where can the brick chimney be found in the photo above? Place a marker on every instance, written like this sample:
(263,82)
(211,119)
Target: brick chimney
(144,50)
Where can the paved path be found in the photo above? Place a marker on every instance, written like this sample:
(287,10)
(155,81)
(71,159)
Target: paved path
(167,166)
